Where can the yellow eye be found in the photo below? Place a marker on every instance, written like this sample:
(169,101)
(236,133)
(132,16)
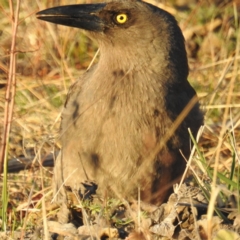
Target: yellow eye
(121,18)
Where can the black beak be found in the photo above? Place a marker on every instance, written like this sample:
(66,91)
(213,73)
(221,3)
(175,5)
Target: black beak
(82,16)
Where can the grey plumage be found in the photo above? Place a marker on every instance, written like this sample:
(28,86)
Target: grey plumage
(118,112)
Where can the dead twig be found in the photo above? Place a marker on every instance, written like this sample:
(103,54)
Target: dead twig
(11,86)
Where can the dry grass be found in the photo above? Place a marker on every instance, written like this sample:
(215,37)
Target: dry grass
(48,59)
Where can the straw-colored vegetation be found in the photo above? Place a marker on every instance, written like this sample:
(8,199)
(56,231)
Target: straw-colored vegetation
(46,59)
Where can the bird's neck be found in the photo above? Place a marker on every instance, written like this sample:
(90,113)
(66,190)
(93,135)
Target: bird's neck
(126,59)
(126,63)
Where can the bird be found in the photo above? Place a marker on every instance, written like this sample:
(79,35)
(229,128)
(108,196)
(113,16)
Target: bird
(124,127)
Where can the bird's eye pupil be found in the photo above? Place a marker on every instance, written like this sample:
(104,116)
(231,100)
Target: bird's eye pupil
(121,18)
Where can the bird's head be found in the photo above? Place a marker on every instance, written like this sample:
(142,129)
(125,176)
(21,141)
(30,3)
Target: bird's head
(134,27)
